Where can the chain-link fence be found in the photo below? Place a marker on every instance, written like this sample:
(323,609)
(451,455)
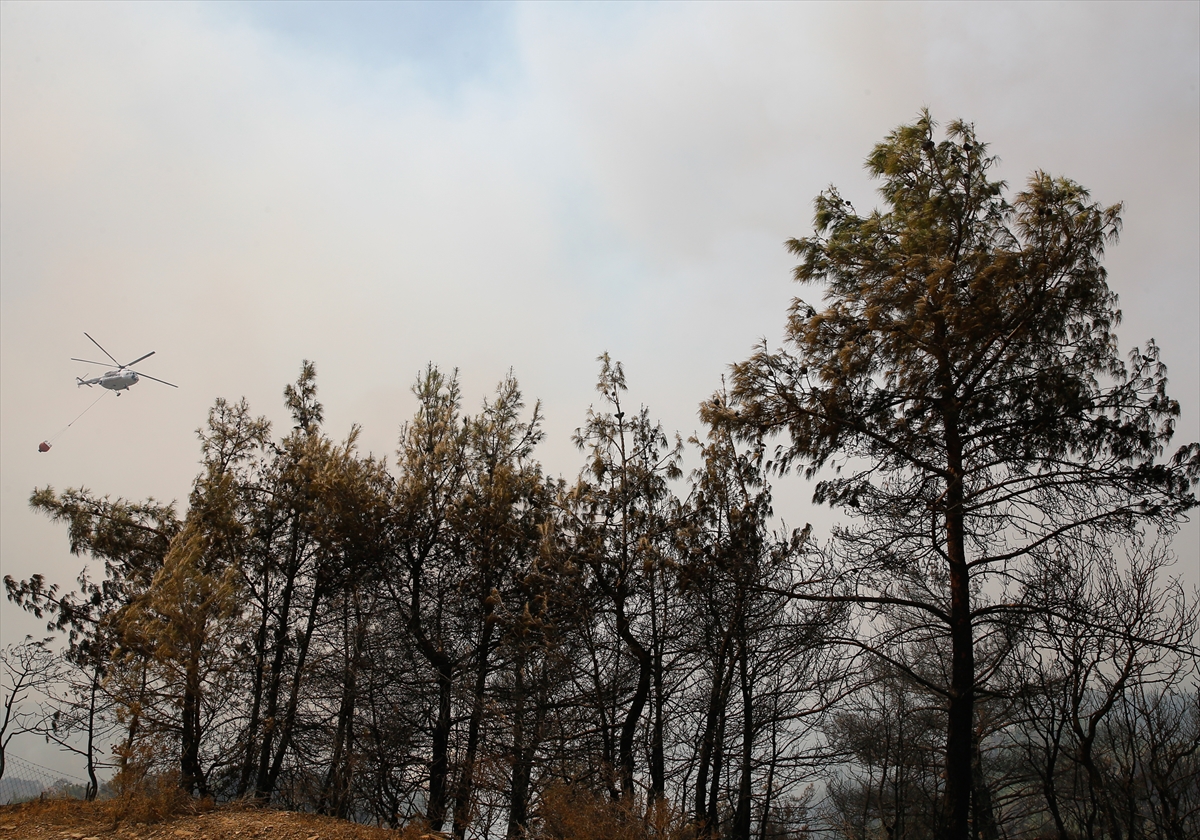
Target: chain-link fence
(24,779)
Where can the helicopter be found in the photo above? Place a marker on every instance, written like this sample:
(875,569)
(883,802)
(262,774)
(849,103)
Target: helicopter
(117,380)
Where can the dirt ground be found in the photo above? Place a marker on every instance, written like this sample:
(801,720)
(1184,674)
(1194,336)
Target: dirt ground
(76,821)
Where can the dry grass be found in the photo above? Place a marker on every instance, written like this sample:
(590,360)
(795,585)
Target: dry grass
(160,812)
(153,799)
(574,813)
(156,809)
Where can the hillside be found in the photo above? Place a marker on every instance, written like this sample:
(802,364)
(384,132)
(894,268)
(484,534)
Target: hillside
(73,820)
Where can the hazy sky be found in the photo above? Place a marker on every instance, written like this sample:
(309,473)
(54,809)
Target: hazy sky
(373,186)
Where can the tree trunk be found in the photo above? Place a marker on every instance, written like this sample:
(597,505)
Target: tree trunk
(262,786)
(741,816)
(1101,800)
(439,762)
(768,800)
(961,713)
(637,704)
(135,720)
(192,779)
(287,726)
(443,668)
(256,691)
(713,817)
(93,785)
(658,772)
(335,795)
(983,816)
(466,777)
(1050,790)
(524,747)
(716,709)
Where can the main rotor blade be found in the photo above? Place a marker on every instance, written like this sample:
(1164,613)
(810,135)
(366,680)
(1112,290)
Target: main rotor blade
(90,362)
(105,352)
(155,378)
(138,359)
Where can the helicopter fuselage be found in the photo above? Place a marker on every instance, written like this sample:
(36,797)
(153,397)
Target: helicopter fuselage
(113,380)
